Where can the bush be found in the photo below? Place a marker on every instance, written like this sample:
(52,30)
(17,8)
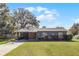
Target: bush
(12,40)
(3,38)
(68,37)
(76,37)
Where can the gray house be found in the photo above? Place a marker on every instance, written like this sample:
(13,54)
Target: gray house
(41,34)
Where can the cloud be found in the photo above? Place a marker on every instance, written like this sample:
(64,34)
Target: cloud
(40,9)
(47,15)
(31,9)
(44,15)
(77,20)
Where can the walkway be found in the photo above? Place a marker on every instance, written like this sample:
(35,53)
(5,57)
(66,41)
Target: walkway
(5,48)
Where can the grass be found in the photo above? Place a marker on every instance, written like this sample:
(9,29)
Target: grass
(3,42)
(46,49)
(6,41)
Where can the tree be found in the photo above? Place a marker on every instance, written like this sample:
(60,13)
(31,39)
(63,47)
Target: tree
(4,17)
(44,27)
(6,26)
(24,18)
(74,29)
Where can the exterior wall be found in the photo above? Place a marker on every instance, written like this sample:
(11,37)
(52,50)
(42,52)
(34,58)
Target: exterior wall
(47,35)
(26,35)
(42,35)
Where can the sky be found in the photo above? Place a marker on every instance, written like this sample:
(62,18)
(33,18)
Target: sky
(52,14)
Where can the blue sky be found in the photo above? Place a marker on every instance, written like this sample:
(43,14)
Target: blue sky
(52,14)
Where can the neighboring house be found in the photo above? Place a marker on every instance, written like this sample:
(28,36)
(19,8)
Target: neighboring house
(41,34)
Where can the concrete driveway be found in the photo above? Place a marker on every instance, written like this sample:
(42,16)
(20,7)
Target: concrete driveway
(5,48)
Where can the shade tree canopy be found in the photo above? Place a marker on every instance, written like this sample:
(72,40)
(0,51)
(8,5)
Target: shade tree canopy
(24,18)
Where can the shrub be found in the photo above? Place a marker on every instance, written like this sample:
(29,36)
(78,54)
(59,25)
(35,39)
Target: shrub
(68,37)
(12,40)
(3,38)
(76,37)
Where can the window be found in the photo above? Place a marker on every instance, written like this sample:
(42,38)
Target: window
(53,34)
(44,34)
(39,34)
(60,35)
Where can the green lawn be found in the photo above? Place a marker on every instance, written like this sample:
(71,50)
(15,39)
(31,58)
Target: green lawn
(3,42)
(6,41)
(46,49)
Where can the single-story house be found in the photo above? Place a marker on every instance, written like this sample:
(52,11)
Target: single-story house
(41,34)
